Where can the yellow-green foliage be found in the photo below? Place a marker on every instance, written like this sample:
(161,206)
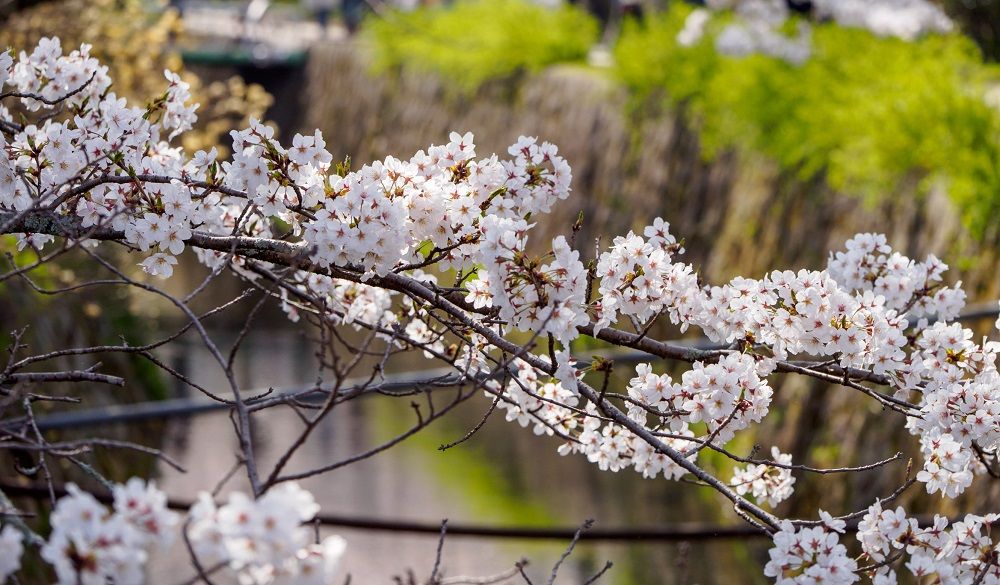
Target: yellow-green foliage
(867,112)
(475,41)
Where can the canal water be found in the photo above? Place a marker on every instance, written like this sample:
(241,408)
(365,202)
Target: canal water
(503,476)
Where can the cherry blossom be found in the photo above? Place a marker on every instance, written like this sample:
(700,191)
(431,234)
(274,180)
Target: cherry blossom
(90,544)
(159,264)
(809,555)
(435,252)
(11,547)
(265,540)
(961,553)
(767,482)
(906,19)
(762,26)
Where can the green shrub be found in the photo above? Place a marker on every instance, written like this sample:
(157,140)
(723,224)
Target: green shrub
(479,40)
(867,112)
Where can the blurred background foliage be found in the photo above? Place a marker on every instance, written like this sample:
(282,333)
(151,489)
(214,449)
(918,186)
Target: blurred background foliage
(133,37)
(867,114)
(981,20)
(473,42)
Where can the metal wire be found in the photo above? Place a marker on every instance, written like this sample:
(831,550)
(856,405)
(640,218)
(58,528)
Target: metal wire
(679,532)
(398,383)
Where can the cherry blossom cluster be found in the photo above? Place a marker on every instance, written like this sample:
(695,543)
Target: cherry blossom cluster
(11,549)
(760,26)
(959,405)
(810,555)
(758,29)
(549,406)
(92,545)
(546,406)
(356,304)
(439,197)
(49,155)
(905,19)
(613,447)
(639,279)
(530,295)
(50,76)
(806,313)
(916,288)
(848,310)
(766,482)
(858,312)
(176,115)
(264,540)
(726,396)
(392,213)
(955,378)
(963,552)
(355,239)
(947,465)
(378,217)
(104,135)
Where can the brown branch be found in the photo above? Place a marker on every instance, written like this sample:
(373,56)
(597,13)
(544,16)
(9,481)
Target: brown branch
(67,376)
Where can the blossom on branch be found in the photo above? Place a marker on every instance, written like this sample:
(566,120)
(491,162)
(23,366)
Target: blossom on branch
(432,253)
